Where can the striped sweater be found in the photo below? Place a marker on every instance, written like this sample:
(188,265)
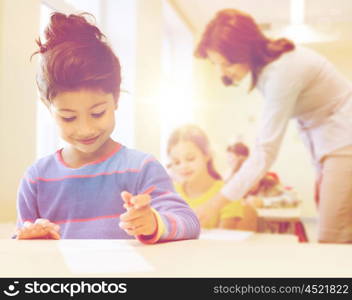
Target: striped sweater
(86,201)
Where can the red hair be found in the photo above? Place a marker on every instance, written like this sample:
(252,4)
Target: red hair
(236,36)
(76,56)
(238,149)
(269,181)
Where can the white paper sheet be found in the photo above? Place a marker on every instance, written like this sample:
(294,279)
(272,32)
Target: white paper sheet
(224,234)
(102,256)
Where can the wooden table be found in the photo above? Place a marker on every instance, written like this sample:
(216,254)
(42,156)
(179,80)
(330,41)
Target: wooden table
(282,220)
(258,255)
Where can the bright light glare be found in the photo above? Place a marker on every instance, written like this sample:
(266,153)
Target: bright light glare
(176,109)
(297,8)
(303,33)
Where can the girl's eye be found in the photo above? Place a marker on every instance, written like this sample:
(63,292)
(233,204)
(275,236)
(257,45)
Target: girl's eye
(190,158)
(69,119)
(98,115)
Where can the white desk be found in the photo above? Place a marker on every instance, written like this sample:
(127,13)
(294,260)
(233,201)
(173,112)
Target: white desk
(259,255)
(280,214)
(281,220)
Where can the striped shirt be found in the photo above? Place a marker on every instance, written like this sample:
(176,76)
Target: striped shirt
(86,201)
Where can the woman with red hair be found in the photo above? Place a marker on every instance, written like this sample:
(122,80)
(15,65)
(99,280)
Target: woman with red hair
(295,83)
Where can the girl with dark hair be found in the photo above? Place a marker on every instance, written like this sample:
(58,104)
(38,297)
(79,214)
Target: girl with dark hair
(237,153)
(197,180)
(83,189)
(295,83)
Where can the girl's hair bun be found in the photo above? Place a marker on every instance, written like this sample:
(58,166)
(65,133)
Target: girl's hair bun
(71,28)
(74,56)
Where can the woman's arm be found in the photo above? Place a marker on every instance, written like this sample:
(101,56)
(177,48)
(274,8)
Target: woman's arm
(280,90)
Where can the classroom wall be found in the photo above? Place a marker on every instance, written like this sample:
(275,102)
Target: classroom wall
(148,75)
(115,22)
(19,25)
(1,63)
(230,112)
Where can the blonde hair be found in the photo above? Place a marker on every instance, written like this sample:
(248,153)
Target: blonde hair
(197,136)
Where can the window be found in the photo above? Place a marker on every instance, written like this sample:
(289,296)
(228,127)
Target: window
(176,99)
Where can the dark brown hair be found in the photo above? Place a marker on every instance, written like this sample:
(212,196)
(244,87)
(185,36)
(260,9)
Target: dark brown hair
(236,36)
(76,56)
(196,135)
(269,181)
(238,149)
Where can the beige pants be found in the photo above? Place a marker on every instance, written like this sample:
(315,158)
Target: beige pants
(335,198)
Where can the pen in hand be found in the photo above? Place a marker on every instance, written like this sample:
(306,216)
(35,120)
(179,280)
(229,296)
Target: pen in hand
(139,219)
(149,190)
(129,205)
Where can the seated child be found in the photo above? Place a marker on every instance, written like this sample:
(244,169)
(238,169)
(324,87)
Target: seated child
(269,192)
(237,153)
(197,180)
(93,188)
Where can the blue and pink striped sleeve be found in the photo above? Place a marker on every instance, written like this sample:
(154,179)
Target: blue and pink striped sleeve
(179,220)
(27,200)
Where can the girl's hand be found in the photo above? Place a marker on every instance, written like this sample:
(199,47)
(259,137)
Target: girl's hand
(254,201)
(211,209)
(206,213)
(40,229)
(139,218)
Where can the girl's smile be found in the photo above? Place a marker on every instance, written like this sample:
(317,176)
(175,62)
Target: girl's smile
(188,161)
(86,119)
(89,140)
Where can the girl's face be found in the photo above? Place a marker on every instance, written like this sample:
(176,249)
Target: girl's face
(233,73)
(188,162)
(85,118)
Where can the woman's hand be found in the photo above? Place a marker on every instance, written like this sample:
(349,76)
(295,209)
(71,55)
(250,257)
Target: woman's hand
(139,218)
(40,229)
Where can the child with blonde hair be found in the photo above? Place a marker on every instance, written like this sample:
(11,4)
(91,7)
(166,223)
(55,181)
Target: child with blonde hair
(198,181)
